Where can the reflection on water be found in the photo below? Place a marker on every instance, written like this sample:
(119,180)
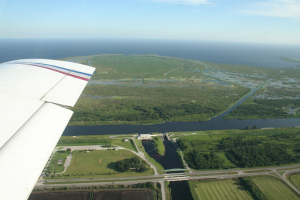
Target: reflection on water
(180,190)
(171,158)
(214,124)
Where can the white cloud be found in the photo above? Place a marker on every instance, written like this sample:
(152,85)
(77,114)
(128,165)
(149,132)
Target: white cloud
(189,2)
(276,8)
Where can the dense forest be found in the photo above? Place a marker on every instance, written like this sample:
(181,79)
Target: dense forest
(263,108)
(255,153)
(146,105)
(249,149)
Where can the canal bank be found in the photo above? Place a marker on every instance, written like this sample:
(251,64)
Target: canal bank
(170,160)
(213,124)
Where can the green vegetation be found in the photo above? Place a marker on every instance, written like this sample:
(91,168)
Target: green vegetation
(220,189)
(95,140)
(84,140)
(53,166)
(153,161)
(278,98)
(159,145)
(132,163)
(241,148)
(146,105)
(147,89)
(255,171)
(263,109)
(295,60)
(253,189)
(99,164)
(274,188)
(96,181)
(295,179)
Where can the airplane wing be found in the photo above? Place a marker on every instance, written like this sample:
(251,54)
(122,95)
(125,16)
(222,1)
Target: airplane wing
(33,97)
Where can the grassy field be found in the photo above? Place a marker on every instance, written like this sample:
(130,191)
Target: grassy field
(159,145)
(158,166)
(274,188)
(222,189)
(295,179)
(88,165)
(96,140)
(53,164)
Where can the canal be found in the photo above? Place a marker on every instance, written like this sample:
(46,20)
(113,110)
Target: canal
(170,160)
(180,190)
(213,124)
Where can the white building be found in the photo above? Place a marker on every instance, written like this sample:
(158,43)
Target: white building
(144,136)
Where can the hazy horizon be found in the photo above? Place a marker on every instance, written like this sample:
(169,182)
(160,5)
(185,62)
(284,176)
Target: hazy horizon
(249,21)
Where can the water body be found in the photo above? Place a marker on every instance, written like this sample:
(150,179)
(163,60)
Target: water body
(220,52)
(170,160)
(180,190)
(265,55)
(215,124)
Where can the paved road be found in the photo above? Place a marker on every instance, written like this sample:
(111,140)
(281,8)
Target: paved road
(191,175)
(163,190)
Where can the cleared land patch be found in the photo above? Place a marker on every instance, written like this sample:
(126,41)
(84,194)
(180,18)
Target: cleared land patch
(221,189)
(96,140)
(63,195)
(133,194)
(274,188)
(54,166)
(87,165)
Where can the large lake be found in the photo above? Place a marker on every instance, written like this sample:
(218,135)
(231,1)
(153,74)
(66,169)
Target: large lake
(264,55)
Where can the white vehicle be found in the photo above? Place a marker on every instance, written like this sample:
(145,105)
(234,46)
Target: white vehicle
(33,94)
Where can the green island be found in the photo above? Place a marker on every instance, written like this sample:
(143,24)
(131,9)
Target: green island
(159,145)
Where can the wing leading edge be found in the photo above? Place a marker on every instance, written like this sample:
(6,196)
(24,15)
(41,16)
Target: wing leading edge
(31,123)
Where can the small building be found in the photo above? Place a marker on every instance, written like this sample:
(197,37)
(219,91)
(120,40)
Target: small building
(126,139)
(144,136)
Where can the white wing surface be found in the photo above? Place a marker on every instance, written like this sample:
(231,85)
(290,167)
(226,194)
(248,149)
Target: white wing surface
(30,122)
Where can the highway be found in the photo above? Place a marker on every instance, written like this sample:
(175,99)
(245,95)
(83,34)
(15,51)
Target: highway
(195,175)
(162,178)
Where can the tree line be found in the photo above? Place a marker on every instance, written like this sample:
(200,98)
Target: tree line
(132,163)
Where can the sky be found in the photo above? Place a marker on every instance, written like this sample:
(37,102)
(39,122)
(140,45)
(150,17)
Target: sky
(251,21)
